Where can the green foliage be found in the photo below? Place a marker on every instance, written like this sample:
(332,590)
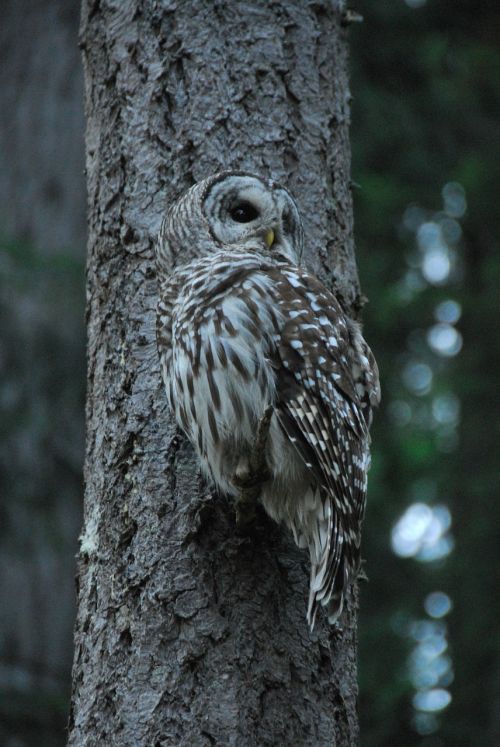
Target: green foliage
(42,376)
(41,315)
(425,113)
(38,717)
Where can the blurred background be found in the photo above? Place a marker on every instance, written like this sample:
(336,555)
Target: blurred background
(426,144)
(42,362)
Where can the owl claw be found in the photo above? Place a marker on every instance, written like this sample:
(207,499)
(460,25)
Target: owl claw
(252,471)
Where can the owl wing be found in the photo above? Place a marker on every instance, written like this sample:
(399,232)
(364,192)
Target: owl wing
(327,383)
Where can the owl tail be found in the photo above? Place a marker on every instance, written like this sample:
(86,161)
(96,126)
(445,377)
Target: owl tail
(335,605)
(320,532)
(330,597)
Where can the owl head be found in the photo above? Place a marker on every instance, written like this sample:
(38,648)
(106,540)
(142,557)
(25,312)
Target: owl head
(232,209)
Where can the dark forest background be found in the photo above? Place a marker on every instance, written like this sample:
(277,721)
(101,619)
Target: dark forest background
(426,148)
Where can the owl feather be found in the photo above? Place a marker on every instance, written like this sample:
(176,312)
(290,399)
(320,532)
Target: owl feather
(242,327)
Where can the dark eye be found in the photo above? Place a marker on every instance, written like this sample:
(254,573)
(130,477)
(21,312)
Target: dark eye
(244,212)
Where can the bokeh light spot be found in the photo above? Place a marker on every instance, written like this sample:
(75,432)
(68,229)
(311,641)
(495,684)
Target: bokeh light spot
(436,265)
(448,312)
(444,339)
(418,377)
(450,229)
(446,409)
(422,533)
(455,203)
(432,700)
(425,724)
(437,604)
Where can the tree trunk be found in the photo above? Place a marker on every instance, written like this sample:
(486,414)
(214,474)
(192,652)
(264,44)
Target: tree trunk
(188,633)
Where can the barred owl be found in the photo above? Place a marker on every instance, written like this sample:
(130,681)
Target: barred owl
(243,327)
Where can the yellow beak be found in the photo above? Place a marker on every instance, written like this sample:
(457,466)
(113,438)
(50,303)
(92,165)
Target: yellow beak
(269,237)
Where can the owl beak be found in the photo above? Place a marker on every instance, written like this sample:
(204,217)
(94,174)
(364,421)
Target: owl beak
(269,237)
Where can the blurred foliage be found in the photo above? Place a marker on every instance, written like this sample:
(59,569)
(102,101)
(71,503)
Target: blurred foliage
(425,113)
(42,357)
(42,377)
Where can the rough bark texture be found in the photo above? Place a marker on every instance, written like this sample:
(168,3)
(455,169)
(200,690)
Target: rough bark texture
(188,633)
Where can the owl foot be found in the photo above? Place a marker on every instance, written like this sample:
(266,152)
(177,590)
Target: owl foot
(251,472)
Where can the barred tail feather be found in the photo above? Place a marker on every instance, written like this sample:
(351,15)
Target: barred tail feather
(329,566)
(332,599)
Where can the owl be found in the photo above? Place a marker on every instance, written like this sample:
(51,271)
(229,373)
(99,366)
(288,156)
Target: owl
(246,336)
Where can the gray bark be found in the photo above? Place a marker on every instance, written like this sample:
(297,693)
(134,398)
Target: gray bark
(188,633)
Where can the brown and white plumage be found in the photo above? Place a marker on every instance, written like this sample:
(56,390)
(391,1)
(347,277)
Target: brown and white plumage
(241,326)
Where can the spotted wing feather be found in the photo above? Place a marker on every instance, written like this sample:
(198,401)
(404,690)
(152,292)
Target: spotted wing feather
(325,393)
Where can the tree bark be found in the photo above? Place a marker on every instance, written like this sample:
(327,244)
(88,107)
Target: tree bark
(189,633)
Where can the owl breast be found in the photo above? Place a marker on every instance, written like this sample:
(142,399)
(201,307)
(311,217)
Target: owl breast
(225,323)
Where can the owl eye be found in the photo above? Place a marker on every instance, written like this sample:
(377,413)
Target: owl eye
(244,212)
